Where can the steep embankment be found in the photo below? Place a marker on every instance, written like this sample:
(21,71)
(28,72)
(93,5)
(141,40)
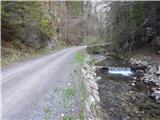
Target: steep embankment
(27,30)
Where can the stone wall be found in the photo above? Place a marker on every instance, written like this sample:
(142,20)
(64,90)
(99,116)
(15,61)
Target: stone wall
(92,101)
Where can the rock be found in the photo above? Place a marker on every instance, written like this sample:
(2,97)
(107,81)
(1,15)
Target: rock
(91,100)
(93,84)
(62,115)
(156,94)
(158,52)
(140,71)
(84,72)
(133,84)
(51,44)
(35,37)
(97,98)
(134,78)
(149,66)
(144,63)
(158,71)
(142,78)
(98,78)
(89,76)
(133,81)
(152,70)
(69,84)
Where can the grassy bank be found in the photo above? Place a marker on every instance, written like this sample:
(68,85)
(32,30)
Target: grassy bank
(14,53)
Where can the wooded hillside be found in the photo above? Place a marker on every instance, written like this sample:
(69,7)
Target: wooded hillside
(35,25)
(131,25)
(54,24)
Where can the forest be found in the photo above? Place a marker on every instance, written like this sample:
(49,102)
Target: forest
(30,27)
(36,25)
(131,25)
(80,60)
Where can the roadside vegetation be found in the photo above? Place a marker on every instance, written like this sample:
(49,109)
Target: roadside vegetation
(79,57)
(69,92)
(31,27)
(13,55)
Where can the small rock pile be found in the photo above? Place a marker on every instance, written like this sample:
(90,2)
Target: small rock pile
(152,74)
(92,100)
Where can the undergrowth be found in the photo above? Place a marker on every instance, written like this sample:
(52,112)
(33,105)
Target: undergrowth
(12,54)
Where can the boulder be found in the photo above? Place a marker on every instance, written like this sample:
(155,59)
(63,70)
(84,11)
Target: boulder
(35,38)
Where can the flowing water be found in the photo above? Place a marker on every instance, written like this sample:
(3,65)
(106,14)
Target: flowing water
(123,95)
(126,71)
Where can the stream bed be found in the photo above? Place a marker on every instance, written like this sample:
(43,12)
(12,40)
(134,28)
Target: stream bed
(125,97)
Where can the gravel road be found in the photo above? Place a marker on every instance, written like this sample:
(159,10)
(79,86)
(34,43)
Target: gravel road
(26,87)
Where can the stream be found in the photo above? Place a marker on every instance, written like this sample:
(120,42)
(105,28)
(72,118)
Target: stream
(125,96)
